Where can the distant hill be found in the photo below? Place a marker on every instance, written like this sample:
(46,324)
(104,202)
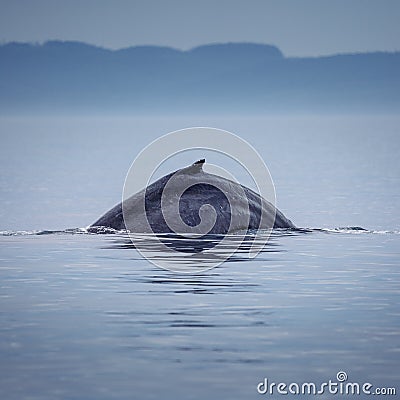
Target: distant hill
(220,78)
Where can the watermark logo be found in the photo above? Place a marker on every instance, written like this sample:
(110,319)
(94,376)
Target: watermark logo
(184,222)
(341,376)
(338,386)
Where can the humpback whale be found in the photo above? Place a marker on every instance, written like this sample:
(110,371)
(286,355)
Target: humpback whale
(195,201)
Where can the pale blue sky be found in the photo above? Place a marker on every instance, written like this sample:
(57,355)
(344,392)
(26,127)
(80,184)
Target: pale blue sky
(297,27)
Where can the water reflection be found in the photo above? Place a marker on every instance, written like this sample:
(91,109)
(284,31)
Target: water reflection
(89,305)
(192,254)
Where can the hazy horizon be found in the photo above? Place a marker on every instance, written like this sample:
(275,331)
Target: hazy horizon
(311,28)
(185,50)
(213,79)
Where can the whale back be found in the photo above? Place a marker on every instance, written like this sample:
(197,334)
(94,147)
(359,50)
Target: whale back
(196,188)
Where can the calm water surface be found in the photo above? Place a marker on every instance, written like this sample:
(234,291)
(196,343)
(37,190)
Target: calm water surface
(84,316)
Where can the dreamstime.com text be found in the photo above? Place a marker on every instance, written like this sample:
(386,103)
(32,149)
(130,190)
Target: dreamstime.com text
(340,386)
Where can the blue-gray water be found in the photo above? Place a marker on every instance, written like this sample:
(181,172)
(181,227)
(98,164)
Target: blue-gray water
(83,316)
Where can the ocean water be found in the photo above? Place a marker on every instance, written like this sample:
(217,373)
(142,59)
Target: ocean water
(85,316)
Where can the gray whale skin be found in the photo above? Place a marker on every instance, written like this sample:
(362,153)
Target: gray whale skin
(202,188)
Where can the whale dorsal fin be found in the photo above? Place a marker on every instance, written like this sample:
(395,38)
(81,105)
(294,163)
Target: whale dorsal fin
(200,162)
(194,168)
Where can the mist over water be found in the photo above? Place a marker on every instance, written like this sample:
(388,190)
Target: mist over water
(85,316)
